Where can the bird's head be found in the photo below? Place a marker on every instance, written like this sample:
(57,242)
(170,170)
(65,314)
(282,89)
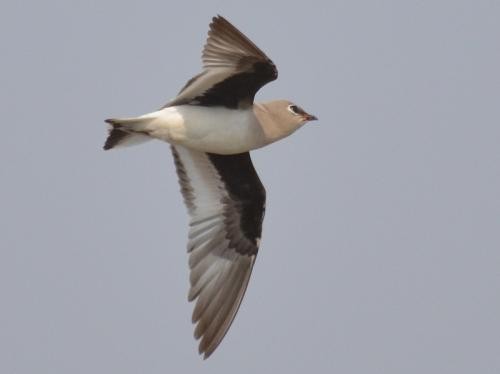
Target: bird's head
(299,115)
(281,118)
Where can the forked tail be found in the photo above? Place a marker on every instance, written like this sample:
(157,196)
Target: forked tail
(126,132)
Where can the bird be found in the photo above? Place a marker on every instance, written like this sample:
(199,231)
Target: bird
(211,126)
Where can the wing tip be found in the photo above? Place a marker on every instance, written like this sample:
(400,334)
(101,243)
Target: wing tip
(218,18)
(206,354)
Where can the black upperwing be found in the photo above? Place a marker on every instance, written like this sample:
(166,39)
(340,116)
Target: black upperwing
(234,70)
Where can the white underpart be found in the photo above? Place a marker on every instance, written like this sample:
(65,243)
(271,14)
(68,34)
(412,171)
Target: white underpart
(207,129)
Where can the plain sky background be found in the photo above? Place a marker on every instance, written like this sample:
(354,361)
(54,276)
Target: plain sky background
(381,243)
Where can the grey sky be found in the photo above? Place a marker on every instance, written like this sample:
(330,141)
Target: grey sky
(381,243)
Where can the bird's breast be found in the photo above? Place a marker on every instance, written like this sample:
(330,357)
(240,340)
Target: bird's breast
(215,129)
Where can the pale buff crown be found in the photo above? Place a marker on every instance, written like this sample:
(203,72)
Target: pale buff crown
(280,118)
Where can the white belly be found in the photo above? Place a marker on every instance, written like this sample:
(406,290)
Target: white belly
(208,129)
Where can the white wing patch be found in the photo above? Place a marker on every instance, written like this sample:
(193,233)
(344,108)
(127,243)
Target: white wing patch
(200,84)
(219,274)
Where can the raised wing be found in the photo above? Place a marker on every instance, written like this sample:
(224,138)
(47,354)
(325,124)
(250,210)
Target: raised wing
(234,70)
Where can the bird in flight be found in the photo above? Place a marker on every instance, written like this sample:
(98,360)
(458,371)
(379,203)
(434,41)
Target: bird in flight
(211,126)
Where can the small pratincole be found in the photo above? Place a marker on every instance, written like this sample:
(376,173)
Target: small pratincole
(211,126)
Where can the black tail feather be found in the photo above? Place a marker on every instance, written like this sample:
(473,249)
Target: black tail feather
(115,136)
(123,132)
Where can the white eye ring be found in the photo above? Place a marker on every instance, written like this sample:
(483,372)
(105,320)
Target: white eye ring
(293,108)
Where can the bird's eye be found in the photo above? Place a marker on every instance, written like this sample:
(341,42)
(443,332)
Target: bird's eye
(294,109)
